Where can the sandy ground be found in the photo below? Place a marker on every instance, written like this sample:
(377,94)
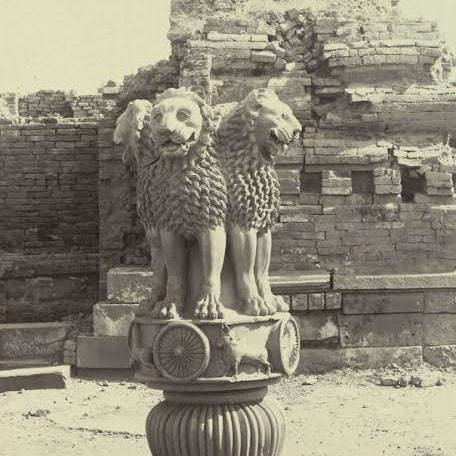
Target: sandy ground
(343,413)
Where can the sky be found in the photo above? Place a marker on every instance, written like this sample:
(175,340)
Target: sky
(78,44)
(81,44)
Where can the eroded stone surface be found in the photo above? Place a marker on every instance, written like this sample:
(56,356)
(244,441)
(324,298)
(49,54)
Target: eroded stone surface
(382,303)
(33,340)
(442,356)
(381,330)
(111,319)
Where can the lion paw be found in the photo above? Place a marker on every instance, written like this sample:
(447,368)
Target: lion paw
(255,305)
(209,307)
(280,305)
(166,310)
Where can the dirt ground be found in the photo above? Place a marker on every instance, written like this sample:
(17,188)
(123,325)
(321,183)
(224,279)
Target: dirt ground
(338,414)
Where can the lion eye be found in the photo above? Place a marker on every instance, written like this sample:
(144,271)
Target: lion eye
(182,115)
(285,116)
(158,117)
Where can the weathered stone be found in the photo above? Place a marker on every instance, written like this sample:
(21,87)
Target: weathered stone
(320,360)
(299,282)
(439,329)
(299,302)
(440,301)
(333,301)
(111,319)
(381,330)
(395,281)
(263,57)
(33,378)
(442,356)
(31,340)
(382,303)
(99,352)
(129,284)
(316,301)
(318,327)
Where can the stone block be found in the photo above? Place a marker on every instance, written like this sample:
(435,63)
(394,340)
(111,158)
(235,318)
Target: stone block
(258,45)
(112,319)
(99,352)
(440,301)
(383,303)
(381,330)
(299,302)
(439,329)
(33,378)
(316,301)
(320,360)
(263,57)
(318,327)
(395,281)
(299,282)
(441,356)
(333,301)
(32,340)
(129,284)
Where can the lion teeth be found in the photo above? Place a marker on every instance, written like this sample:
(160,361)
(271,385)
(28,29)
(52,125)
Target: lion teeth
(285,147)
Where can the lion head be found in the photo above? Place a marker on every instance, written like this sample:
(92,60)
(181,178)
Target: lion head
(250,137)
(178,121)
(266,124)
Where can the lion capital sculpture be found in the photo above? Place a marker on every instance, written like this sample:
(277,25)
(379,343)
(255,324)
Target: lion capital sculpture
(181,198)
(249,139)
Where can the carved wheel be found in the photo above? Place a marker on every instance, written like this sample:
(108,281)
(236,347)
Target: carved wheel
(181,351)
(286,346)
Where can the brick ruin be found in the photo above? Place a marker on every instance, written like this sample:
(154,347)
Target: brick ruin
(367,198)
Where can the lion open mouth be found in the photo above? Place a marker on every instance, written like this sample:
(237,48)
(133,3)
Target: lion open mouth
(278,142)
(176,145)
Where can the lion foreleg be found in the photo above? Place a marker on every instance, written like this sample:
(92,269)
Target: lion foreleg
(159,274)
(174,255)
(243,246)
(263,260)
(212,245)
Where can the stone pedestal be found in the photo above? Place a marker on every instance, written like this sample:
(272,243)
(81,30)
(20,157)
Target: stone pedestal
(215,377)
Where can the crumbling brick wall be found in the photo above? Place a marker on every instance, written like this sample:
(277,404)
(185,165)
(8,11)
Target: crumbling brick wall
(48,219)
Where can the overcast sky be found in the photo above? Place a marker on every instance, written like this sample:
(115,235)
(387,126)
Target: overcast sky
(79,45)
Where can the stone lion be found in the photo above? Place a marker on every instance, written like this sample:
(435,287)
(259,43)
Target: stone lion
(181,198)
(250,137)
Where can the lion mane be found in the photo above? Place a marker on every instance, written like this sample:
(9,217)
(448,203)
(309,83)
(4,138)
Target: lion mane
(186,194)
(252,183)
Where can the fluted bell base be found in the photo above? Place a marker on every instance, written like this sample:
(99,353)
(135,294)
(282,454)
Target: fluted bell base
(237,423)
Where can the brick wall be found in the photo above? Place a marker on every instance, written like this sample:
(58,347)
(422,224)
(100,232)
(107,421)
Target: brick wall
(48,219)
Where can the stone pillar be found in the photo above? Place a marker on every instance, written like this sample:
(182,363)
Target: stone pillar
(215,377)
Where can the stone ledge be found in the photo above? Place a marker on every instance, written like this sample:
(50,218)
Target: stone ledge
(442,356)
(33,340)
(395,281)
(54,377)
(132,284)
(300,282)
(98,352)
(319,360)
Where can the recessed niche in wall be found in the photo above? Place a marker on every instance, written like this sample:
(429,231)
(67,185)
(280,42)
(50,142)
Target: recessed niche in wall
(412,183)
(311,182)
(363,182)
(454,180)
